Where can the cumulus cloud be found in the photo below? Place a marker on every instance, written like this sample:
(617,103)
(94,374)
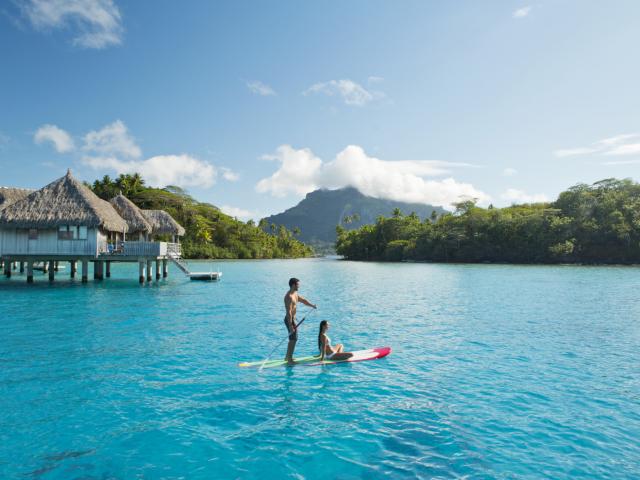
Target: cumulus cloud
(260,88)
(513,195)
(161,170)
(113,148)
(112,140)
(229,174)
(237,212)
(301,171)
(616,145)
(60,139)
(96,23)
(522,12)
(351,92)
(509,172)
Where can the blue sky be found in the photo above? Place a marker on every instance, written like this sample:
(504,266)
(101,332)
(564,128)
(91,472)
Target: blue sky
(249,105)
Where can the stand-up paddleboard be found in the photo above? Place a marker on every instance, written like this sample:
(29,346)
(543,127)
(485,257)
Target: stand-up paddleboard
(359,356)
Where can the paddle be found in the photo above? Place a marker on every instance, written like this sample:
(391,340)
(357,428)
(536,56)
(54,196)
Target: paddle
(287,337)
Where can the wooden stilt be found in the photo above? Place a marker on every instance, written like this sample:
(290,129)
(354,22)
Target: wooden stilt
(21,267)
(7,269)
(108,269)
(30,271)
(73,267)
(45,266)
(55,266)
(85,271)
(141,271)
(98,270)
(52,270)
(149,270)
(158,270)
(165,269)
(15,265)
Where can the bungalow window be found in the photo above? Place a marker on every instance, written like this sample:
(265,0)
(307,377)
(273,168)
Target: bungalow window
(82,232)
(65,233)
(33,234)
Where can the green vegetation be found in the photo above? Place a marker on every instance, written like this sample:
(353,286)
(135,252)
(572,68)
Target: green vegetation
(316,215)
(597,223)
(209,232)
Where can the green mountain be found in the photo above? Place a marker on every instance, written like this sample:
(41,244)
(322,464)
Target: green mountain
(322,210)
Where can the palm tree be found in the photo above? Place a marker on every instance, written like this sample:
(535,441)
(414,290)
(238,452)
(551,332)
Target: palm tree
(397,213)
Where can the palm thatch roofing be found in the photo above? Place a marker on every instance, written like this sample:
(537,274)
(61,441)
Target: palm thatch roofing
(9,195)
(131,214)
(163,223)
(66,201)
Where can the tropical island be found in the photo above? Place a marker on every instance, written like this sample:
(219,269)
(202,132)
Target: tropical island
(210,233)
(590,224)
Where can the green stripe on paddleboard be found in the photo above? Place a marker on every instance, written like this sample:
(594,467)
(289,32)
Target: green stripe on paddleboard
(279,363)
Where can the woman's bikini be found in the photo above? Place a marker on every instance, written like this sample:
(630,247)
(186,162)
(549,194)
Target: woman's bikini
(328,344)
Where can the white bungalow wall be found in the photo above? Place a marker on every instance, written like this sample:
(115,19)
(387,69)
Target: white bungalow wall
(16,242)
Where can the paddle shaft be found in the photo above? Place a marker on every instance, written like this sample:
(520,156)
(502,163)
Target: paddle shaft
(287,337)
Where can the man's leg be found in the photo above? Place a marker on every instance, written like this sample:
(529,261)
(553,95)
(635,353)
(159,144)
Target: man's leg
(290,348)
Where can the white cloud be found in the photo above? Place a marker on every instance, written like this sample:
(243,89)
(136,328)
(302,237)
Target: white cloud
(161,170)
(97,23)
(60,139)
(295,175)
(240,213)
(622,162)
(351,92)
(229,175)
(301,172)
(374,79)
(522,12)
(628,149)
(616,145)
(509,172)
(513,195)
(571,152)
(112,140)
(260,88)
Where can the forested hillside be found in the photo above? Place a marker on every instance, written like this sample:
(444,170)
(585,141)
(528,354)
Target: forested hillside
(209,232)
(317,215)
(597,223)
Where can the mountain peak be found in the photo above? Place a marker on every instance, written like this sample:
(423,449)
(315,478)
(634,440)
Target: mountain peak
(318,214)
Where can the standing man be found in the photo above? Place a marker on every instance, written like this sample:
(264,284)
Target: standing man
(291,300)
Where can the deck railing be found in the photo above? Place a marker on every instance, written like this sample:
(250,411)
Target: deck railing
(138,249)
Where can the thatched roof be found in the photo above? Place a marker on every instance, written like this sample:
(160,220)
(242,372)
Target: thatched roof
(65,201)
(163,223)
(9,195)
(131,214)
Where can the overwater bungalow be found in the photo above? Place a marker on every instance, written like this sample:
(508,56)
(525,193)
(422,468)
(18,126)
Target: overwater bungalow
(139,227)
(163,224)
(66,221)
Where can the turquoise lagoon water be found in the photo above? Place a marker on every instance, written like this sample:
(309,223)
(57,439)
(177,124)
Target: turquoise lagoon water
(496,372)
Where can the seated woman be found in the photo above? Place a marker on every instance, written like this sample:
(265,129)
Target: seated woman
(328,352)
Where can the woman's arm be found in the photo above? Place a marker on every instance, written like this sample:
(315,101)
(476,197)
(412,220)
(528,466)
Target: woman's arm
(323,347)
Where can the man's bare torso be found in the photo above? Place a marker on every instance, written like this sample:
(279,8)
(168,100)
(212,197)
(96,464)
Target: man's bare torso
(291,305)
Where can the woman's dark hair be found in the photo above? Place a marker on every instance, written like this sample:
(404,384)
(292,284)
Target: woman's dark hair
(323,323)
(293,281)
